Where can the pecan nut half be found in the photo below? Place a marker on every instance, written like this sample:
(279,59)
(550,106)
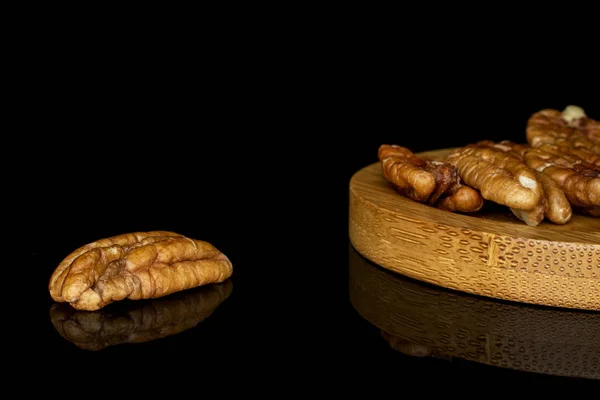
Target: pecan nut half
(553,203)
(579,179)
(435,183)
(570,129)
(139,265)
(499,177)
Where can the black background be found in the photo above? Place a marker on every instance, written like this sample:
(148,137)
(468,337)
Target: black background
(247,138)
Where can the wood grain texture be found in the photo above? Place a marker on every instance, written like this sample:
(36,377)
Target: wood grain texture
(423,320)
(490,253)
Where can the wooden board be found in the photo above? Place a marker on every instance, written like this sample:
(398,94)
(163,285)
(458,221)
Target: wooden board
(490,253)
(424,320)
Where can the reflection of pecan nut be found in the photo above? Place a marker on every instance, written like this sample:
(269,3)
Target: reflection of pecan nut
(135,266)
(433,182)
(405,346)
(140,321)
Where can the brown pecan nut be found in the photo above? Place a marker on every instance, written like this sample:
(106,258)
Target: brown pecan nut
(138,322)
(579,179)
(570,129)
(553,203)
(499,177)
(140,265)
(435,183)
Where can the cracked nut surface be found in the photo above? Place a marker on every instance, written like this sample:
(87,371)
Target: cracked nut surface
(139,265)
(432,182)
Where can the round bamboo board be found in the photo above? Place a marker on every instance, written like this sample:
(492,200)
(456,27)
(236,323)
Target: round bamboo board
(489,253)
(423,320)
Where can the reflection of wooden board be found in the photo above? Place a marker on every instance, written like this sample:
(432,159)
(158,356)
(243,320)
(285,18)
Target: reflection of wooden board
(424,320)
(489,253)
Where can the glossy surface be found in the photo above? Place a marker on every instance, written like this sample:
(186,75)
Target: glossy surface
(373,324)
(250,145)
(421,320)
(138,321)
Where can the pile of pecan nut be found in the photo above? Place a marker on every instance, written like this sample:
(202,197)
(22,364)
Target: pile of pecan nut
(555,174)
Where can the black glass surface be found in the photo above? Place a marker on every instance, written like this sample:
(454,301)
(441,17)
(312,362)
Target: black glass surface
(379,325)
(421,320)
(256,159)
